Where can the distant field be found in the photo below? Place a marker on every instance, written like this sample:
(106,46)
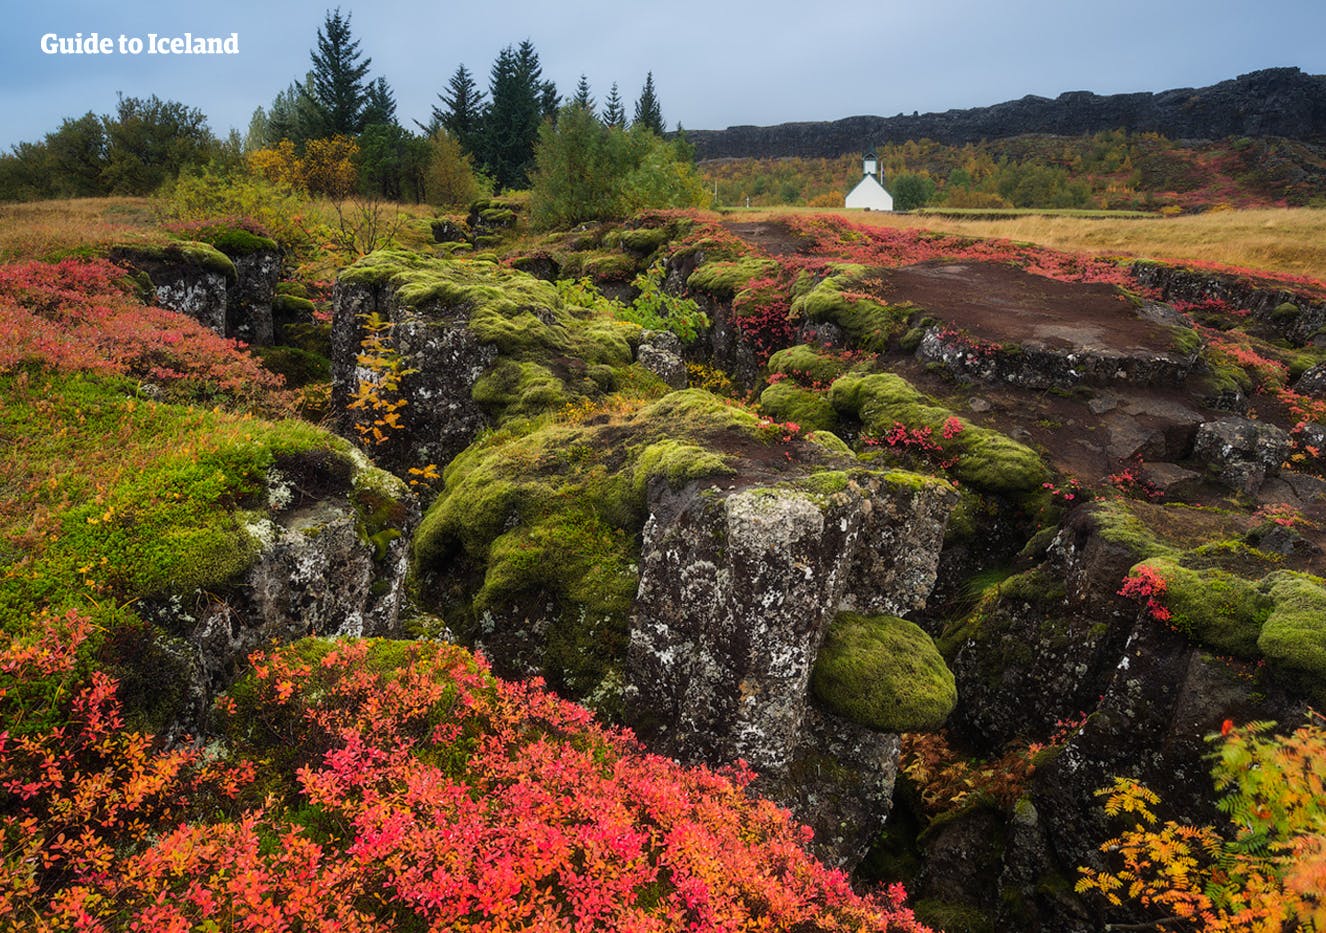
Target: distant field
(47,229)
(1003,213)
(1291,240)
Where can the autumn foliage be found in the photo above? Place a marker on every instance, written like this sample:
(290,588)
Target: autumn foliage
(1266,871)
(384,786)
(80,316)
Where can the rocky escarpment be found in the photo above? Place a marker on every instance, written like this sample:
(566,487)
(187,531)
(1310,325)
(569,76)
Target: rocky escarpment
(1296,315)
(1273,102)
(1058,656)
(737,590)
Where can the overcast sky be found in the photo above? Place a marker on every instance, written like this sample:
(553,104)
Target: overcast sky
(715,64)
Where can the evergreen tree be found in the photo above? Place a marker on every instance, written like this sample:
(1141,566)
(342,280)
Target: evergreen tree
(339,68)
(463,116)
(614,113)
(511,124)
(379,104)
(647,111)
(582,97)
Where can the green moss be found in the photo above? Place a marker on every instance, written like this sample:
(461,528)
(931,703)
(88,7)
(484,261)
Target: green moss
(293,306)
(678,463)
(986,459)
(145,499)
(645,239)
(829,441)
(869,324)
(546,346)
(610,267)
(549,514)
(299,367)
(293,289)
(519,389)
(808,364)
(184,252)
(1186,340)
(309,336)
(1285,311)
(235,242)
(883,672)
(1293,639)
(725,279)
(786,401)
(1214,608)
(1118,525)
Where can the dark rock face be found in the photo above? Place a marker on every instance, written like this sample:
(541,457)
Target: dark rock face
(440,418)
(1273,102)
(249,300)
(1243,452)
(1152,695)
(1295,317)
(1036,366)
(1313,382)
(240,308)
(736,591)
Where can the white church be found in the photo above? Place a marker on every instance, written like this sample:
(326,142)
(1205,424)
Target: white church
(869,193)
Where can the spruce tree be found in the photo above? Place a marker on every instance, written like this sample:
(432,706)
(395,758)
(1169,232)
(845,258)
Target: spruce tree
(339,68)
(511,125)
(379,104)
(647,111)
(582,96)
(614,113)
(462,112)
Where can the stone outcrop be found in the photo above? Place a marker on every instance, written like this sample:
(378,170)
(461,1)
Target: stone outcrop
(1297,317)
(1272,102)
(1036,366)
(230,295)
(331,548)
(440,417)
(736,591)
(1241,452)
(249,299)
(660,353)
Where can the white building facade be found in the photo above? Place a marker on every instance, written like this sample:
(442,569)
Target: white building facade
(869,193)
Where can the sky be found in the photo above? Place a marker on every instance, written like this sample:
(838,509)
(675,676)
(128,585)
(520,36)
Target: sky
(715,64)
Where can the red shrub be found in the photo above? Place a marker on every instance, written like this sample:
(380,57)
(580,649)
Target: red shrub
(76,315)
(404,786)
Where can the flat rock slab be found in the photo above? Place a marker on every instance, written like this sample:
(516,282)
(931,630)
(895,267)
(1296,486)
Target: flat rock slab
(1002,304)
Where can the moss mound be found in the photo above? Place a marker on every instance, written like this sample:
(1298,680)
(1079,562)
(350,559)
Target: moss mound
(1293,639)
(986,459)
(869,324)
(550,351)
(787,401)
(724,279)
(807,365)
(177,252)
(885,673)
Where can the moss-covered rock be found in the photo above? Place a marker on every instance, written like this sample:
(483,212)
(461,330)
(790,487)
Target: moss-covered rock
(986,459)
(724,279)
(808,365)
(883,672)
(546,520)
(868,324)
(1293,638)
(786,401)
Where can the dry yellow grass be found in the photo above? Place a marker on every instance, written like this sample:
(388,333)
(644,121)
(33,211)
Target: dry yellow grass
(1274,240)
(46,229)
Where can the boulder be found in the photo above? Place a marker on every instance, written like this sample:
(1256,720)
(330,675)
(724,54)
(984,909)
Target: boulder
(660,353)
(1242,452)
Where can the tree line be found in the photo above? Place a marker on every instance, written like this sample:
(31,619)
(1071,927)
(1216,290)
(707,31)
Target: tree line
(475,139)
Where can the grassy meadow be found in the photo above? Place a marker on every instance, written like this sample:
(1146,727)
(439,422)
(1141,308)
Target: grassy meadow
(1285,240)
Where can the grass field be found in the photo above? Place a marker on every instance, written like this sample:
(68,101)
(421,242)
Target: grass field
(1273,240)
(1291,240)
